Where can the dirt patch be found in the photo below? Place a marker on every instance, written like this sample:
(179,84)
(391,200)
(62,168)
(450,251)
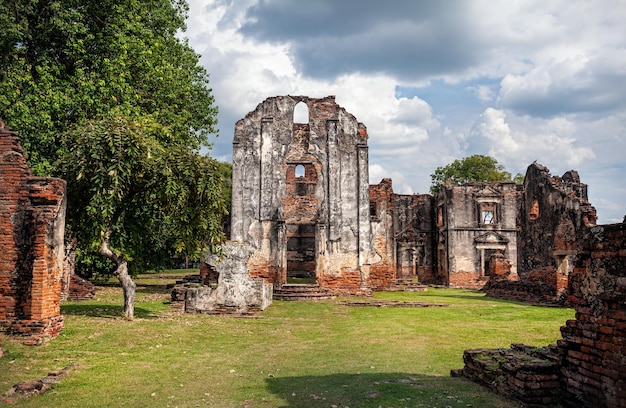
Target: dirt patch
(389,303)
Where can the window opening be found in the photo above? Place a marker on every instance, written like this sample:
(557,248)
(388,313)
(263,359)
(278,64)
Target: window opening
(488,214)
(301,113)
(373,209)
(300,170)
(487,217)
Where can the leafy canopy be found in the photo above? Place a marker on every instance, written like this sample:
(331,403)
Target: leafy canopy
(472,168)
(107,96)
(66,62)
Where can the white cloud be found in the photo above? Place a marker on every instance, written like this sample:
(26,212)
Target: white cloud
(552,142)
(548,77)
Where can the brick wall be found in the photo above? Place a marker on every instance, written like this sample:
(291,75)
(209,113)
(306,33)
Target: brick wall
(589,362)
(594,344)
(32,223)
(382,273)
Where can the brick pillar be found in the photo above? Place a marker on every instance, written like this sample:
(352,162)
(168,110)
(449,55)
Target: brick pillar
(32,225)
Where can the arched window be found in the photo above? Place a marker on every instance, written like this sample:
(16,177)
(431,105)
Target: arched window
(300,170)
(301,113)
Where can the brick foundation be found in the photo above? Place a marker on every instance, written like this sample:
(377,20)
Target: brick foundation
(32,223)
(80,289)
(528,374)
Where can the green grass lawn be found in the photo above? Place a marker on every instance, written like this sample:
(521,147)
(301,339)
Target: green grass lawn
(296,354)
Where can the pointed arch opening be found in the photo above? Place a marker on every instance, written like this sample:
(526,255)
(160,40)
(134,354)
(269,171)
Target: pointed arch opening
(301,113)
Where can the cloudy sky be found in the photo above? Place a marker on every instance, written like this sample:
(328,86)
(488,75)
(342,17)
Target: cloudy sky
(436,81)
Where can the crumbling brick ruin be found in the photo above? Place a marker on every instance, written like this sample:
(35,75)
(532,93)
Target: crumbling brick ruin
(32,224)
(404,233)
(552,220)
(587,367)
(301,194)
(302,201)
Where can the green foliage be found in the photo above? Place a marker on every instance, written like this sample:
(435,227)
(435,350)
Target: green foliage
(107,96)
(469,169)
(156,198)
(519,178)
(225,170)
(65,61)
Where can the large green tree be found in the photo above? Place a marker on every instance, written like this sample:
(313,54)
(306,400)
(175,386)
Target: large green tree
(108,96)
(468,169)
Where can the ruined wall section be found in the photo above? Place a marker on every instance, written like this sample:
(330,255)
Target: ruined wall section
(476,223)
(383,273)
(587,367)
(32,225)
(415,235)
(553,219)
(594,344)
(403,229)
(329,204)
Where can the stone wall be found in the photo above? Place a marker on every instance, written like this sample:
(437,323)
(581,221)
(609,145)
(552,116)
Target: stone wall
(476,224)
(236,290)
(301,194)
(32,224)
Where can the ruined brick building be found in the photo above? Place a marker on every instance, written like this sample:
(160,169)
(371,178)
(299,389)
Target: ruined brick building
(302,200)
(32,224)
(301,194)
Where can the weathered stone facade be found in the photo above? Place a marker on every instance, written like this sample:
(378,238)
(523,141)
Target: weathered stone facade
(301,199)
(477,232)
(301,194)
(32,224)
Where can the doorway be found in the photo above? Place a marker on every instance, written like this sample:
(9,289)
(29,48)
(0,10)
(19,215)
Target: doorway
(301,260)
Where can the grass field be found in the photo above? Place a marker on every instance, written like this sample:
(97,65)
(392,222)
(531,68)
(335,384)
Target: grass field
(294,354)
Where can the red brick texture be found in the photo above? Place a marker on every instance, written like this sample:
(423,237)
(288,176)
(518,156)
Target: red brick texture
(32,221)
(382,274)
(594,344)
(587,367)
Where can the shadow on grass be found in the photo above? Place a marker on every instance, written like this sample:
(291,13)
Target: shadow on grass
(382,389)
(105,310)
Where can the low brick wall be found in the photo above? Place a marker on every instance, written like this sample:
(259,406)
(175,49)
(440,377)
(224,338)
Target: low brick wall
(589,362)
(81,289)
(530,292)
(531,375)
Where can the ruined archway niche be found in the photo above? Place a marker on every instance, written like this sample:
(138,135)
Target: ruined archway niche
(533,213)
(301,193)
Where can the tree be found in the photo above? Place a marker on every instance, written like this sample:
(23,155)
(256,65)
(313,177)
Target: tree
(107,96)
(135,197)
(468,169)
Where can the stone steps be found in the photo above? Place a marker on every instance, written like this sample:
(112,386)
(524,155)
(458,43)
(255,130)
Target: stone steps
(409,285)
(301,291)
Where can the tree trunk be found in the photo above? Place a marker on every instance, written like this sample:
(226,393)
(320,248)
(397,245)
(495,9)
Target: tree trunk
(122,274)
